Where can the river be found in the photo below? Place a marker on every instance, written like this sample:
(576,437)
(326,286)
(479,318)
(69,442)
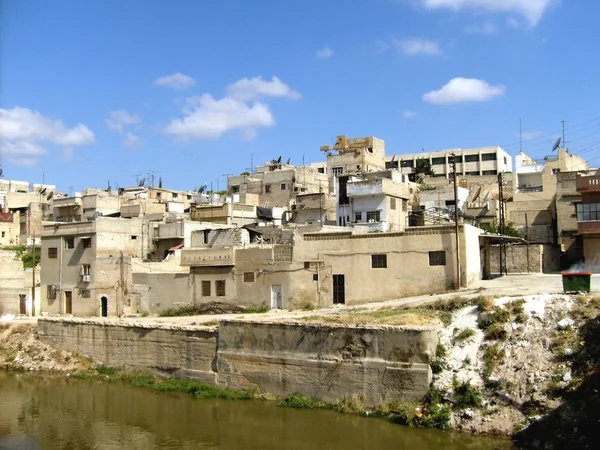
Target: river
(42,412)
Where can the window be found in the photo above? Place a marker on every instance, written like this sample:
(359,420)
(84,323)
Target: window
(248,277)
(267,188)
(505,161)
(379,261)
(133,237)
(488,157)
(358,217)
(489,172)
(579,241)
(84,293)
(205,288)
(473,173)
(404,204)
(370,149)
(407,163)
(235,188)
(205,234)
(373,216)
(588,211)
(52,252)
(86,269)
(555,171)
(458,158)
(70,243)
(220,288)
(437,161)
(51,292)
(158,195)
(175,195)
(437,258)
(321,170)
(315,277)
(283,186)
(337,171)
(471,158)
(4,234)
(87,242)
(343,198)
(306,265)
(392,203)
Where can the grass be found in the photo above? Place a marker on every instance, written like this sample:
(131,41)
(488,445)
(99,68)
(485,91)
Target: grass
(466,396)
(186,310)
(495,332)
(256,309)
(492,355)
(464,334)
(381,317)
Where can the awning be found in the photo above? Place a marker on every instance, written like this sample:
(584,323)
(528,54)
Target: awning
(177,247)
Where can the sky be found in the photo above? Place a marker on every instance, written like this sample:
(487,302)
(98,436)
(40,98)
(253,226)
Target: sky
(106,91)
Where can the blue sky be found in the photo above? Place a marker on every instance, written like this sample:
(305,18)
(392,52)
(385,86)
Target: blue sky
(97,91)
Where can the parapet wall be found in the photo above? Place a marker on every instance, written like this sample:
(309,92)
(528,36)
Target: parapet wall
(328,362)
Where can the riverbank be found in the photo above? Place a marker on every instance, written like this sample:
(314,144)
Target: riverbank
(502,365)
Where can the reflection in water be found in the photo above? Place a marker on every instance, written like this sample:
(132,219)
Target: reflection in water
(54,413)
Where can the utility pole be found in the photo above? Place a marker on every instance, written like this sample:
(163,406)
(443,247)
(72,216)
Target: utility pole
(453,159)
(33,277)
(564,142)
(501,225)
(527,239)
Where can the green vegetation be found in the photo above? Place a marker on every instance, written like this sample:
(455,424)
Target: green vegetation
(492,355)
(466,396)
(302,402)
(422,169)
(186,310)
(464,334)
(496,332)
(509,229)
(256,309)
(438,365)
(26,256)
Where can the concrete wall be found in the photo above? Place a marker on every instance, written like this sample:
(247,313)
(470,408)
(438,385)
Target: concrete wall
(328,362)
(160,291)
(591,253)
(14,283)
(542,259)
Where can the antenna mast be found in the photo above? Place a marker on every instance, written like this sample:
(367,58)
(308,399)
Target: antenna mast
(520,137)
(564,142)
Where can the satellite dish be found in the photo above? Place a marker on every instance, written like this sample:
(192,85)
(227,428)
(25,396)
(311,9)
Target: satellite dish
(42,191)
(278,160)
(142,182)
(556,144)
(486,198)
(477,194)
(1,173)
(288,160)
(50,195)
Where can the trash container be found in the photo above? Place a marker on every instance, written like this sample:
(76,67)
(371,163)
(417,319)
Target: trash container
(576,281)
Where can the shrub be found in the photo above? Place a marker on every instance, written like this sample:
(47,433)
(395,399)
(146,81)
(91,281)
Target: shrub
(496,332)
(301,402)
(256,309)
(466,396)
(492,355)
(464,334)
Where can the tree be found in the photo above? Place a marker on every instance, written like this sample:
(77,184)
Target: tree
(160,182)
(422,169)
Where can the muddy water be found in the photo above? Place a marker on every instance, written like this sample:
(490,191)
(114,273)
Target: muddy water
(50,413)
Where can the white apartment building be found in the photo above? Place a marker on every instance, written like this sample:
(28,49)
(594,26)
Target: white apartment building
(469,161)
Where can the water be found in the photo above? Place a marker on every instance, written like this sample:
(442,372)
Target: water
(38,412)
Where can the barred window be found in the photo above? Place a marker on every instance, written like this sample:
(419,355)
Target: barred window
(206,289)
(373,216)
(437,258)
(471,158)
(52,252)
(379,261)
(220,288)
(248,277)
(392,203)
(488,157)
(51,292)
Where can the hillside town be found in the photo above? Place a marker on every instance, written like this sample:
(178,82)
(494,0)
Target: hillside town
(359,225)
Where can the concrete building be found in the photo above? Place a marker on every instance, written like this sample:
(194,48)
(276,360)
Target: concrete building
(374,201)
(16,286)
(85,266)
(314,208)
(9,229)
(588,219)
(469,161)
(96,202)
(68,209)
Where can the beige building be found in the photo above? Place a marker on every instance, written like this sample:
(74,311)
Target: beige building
(482,161)
(9,229)
(86,269)
(15,286)
(227,213)
(588,220)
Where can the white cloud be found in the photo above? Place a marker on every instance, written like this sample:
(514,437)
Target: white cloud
(22,131)
(252,88)
(131,140)
(177,81)
(530,135)
(408,114)
(481,28)
(325,53)
(417,46)
(531,10)
(464,90)
(208,118)
(118,119)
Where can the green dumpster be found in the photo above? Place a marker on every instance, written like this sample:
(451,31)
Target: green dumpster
(576,281)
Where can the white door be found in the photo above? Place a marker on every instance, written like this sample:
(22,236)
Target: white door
(276,302)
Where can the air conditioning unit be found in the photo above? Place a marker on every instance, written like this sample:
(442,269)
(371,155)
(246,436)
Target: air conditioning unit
(86,278)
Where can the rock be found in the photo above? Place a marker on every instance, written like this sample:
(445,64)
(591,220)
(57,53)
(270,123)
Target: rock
(568,352)
(468,413)
(565,323)
(567,377)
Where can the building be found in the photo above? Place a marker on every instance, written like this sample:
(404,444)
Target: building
(469,161)
(588,219)
(9,229)
(16,285)
(374,201)
(86,269)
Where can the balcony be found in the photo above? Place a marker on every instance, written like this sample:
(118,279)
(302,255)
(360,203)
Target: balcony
(588,218)
(67,202)
(173,230)
(382,186)
(589,227)
(588,184)
(207,257)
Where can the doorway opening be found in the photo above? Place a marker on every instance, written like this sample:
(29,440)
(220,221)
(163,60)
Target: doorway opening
(68,302)
(22,304)
(339,289)
(104,306)
(276,301)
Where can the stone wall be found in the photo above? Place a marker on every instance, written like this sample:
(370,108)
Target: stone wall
(329,362)
(542,259)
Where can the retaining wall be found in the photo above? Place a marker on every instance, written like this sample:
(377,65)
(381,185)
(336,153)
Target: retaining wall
(328,362)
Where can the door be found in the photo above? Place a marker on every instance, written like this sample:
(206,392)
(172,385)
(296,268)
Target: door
(104,306)
(339,289)
(68,302)
(276,301)
(22,304)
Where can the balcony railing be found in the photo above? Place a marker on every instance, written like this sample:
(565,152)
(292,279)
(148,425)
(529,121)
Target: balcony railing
(587,184)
